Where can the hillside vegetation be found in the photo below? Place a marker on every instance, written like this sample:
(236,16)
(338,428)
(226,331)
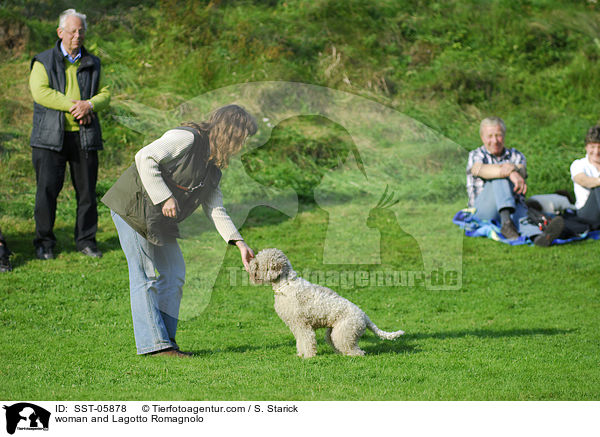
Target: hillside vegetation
(534,63)
(513,323)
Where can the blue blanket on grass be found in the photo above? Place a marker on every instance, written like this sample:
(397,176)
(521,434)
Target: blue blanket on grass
(475,227)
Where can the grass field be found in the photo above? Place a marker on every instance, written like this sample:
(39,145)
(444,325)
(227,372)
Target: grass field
(522,324)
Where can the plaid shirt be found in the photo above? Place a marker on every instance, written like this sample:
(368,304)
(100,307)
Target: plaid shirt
(475,184)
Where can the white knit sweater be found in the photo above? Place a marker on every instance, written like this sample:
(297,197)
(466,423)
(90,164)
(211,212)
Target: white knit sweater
(173,144)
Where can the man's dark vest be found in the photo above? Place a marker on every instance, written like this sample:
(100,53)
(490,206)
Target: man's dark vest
(49,124)
(191,178)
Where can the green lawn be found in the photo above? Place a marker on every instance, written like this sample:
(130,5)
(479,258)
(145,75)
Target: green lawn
(410,81)
(524,326)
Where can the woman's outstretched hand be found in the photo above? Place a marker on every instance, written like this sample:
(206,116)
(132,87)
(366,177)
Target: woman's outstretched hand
(245,251)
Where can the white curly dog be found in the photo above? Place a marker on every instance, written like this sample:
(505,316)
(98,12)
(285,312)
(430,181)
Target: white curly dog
(305,307)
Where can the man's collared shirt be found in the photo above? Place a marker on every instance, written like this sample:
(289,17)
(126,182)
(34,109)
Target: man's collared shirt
(475,184)
(66,54)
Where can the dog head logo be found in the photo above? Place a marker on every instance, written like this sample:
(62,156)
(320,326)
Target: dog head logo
(387,148)
(25,416)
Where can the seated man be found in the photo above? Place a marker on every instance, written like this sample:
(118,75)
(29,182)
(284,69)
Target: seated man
(585,173)
(496,186)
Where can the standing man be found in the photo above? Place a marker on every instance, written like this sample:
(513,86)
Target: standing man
(496,186)
(66,86)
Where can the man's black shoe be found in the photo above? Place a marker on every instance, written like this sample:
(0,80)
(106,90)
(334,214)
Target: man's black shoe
(91,252)
(43,253)
(551,232)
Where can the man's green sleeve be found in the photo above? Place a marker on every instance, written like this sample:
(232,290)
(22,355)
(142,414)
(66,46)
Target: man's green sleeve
(42,93)
(102,99)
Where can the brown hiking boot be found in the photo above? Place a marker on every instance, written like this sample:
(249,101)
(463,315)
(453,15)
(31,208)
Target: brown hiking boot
(172,352)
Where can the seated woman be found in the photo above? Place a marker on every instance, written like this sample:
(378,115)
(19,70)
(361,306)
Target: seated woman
(585,173)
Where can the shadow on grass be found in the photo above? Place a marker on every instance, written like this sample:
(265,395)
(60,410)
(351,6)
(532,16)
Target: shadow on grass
(21,244)
(489,333)
(242,349)
(387,347)
(324,349)
(401,344)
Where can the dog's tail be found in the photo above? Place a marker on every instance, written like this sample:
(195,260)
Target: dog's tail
(383,334)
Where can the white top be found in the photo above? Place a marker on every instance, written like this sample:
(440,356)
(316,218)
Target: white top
(582,165)
(173,144)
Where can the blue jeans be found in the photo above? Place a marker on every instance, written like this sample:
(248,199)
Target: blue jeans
(498,194)
(155,299)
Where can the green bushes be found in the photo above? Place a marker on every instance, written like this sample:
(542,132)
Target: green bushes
(534,63)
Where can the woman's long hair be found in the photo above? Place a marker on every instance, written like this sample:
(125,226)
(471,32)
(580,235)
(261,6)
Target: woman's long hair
(227,129)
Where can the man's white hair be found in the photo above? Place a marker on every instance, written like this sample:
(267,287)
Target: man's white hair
(63,18)
(492,121)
